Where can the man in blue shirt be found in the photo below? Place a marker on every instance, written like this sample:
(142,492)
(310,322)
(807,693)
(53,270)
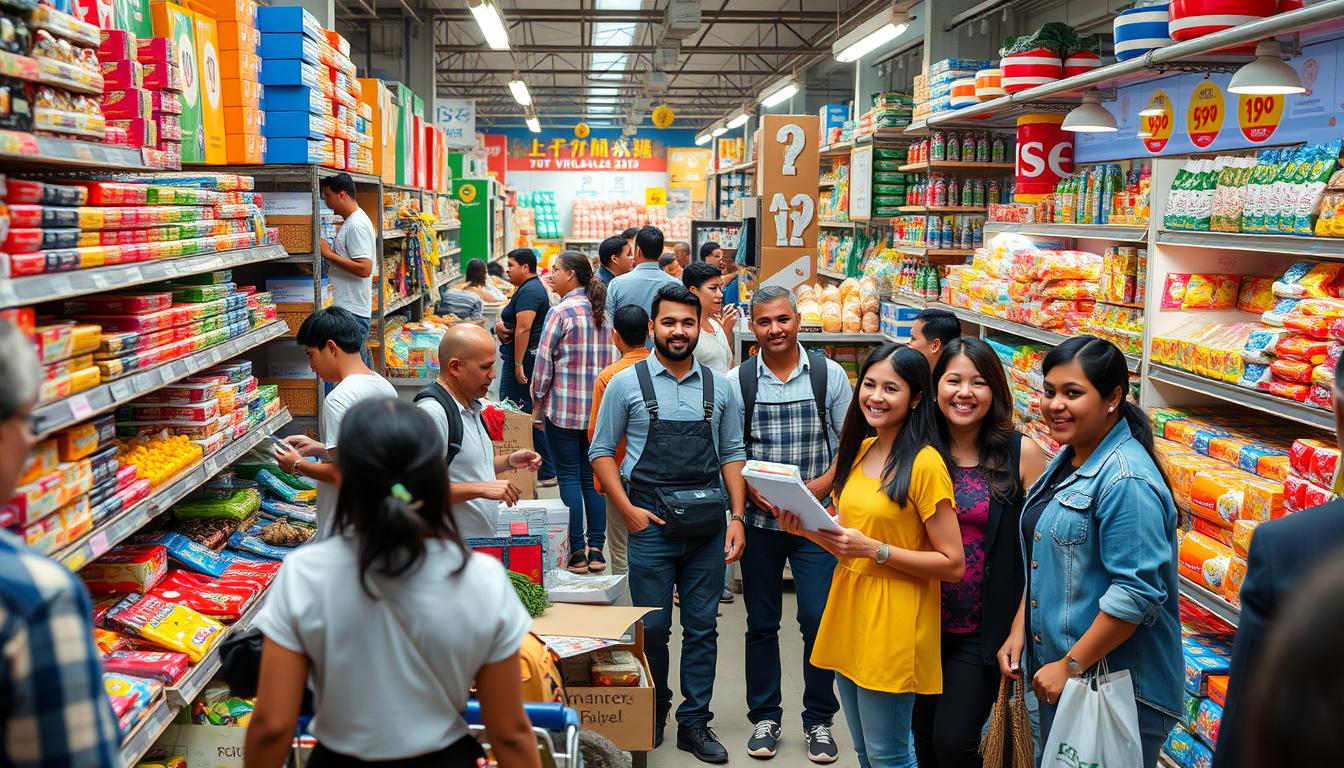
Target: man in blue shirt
(615,257)
(683,431)
(640,284)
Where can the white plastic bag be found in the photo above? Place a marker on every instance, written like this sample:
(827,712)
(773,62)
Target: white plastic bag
(1096,724)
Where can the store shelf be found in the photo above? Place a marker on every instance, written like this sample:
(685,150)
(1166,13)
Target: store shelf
(393,234)
(835,224)
(916,250)
(1031,333)
(985,169)
(410,382)
(105,397)
(450,252)
(1311,247)
(742,167)
(116,530)
(448,227)
(138,742)
(1277,406)
(35,289)
(942,209)
(907,300)
(827,183)
(1116,232)
(46,151)
(1215,604)
(831,273)
(401,303)
(838,148)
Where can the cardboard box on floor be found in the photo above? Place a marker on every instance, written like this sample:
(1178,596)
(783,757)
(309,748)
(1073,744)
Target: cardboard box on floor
(517,437)
(205,746)
(624,715)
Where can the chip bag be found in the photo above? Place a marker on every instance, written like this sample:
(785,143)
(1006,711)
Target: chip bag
(169,625)
(164,666)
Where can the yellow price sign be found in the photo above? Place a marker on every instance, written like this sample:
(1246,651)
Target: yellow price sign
(1259,116)
(655,197)
(1155,122)
(1204,115)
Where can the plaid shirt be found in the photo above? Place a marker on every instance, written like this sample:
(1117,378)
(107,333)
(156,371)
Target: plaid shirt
(53,708)
(571,354)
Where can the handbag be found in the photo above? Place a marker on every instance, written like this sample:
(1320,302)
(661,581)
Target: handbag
(1096,723)
(690,513)
(1007,741)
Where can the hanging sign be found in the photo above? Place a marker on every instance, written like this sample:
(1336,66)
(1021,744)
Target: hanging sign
(1155,126)
(1204,115)
(581,131)
(1259,116)
(457,119)
(663,116)
(861,183)
(788,168)
(655,197)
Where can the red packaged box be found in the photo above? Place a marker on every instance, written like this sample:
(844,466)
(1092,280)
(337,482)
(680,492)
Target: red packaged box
(171,103)
(140,132)
(170,128)
(127,104)
(156,50)
(116,44)
(126,569)
(116,303)
(164,666)
(202,411)
(23,318)
(163,76)
(122,75)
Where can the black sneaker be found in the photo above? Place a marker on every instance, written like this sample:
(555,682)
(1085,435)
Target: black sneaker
(820,744)
(700,741)
(764,741)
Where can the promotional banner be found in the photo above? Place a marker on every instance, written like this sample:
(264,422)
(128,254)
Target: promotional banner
(595,153)
(457,119)
(788,166)
(496,147)
(687,168)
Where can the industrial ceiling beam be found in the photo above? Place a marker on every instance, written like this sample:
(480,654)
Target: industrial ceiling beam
(707,50)
(653,17)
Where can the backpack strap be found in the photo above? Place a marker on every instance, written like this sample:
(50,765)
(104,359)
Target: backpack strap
(646,389)
(748,381)
(816,371)
(452,410)
(707,383)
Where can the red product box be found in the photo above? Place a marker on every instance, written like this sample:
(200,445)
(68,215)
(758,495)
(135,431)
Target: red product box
(122,75)
(116,44)
(169,103)
(158,50)
(127,105)
(170,127)
(118,303)
(141,132)
(23,318)
(202,411)
(163,76)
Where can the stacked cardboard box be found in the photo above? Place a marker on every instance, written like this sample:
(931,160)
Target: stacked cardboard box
(170,62)
(297,102)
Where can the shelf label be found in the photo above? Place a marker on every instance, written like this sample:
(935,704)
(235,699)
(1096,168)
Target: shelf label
(1155,122)
(80,408)
(789,169)
(1204,115)
(122,390)
(1259,116)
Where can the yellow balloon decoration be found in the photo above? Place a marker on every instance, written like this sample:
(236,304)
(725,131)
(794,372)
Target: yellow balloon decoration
(663,116)
(581,131)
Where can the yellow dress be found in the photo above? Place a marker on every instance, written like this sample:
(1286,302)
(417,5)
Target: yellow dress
(881,627)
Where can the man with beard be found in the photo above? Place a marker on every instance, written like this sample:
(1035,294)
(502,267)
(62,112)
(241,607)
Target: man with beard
(683,431)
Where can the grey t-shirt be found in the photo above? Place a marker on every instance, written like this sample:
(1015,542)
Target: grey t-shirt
(342,397)
(375,681)
(475,463)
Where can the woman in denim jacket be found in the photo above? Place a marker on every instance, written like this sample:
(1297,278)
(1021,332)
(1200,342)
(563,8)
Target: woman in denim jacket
(1099,544)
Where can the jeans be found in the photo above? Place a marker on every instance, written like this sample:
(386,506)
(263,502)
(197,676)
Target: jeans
(364,325)
(763,591)
(511,389)
(1154,726)
(948,726)
(695,568)
(569,452)
(879,722)
(618,540)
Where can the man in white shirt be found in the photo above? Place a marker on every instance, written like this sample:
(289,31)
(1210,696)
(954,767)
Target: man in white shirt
(332,338)
(466,367)
(350,254)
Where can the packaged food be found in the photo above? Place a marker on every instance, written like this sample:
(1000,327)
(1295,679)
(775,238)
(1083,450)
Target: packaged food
(108,641)
(1292,370)
(131,697)
(1217,687)
(163,666)
(1204,561)
(167,624)
(1260,345)
(615,669)
(255,546)
(126,569)
(1207,721)
(1186,750)
(210,532)
(214,598)
(188,553)
(1236,574)
(1321,280)
(1302,348)
(1288,390)
(238,505)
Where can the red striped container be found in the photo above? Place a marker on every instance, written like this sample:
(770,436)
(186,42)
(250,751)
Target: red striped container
(963,93)
(1029,69)
(1044,156)
(1081,63)
(989,84)
(1190,19)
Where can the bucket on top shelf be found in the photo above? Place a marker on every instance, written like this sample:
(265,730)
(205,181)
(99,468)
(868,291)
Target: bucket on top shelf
(963,93)
(1028,69)
(1081,62)
(1140,30)
(989,84)
(1190,19)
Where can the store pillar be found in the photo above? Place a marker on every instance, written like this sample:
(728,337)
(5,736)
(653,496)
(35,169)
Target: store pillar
(324,10)
(419,63)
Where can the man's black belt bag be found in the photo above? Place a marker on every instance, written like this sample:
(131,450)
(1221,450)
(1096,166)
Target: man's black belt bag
(691,513)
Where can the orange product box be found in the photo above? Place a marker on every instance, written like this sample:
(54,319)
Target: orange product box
(240,65)
(243,120)
(242,93)
(1218,689)
(238,36)
(245,148)
(231,10)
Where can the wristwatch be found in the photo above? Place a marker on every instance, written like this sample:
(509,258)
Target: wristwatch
(1074,669)
(738,519)
(883,552)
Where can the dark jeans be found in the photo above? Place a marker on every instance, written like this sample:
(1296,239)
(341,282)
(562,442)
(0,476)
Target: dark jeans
(1154,726)
(948,726)
(365,324)
(462,753)
(569,452)
(695,568)
(763,591)
(511,389)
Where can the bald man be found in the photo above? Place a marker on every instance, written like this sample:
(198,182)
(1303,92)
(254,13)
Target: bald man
(466,368)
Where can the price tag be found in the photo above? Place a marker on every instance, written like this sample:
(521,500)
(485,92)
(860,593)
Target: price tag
(77,559)
(1259,116)
(80,408)
(655,197)
(133,275)
(98,544)
(1204,115)
(122,390)
(212,465)
(99,280)
(1155,122)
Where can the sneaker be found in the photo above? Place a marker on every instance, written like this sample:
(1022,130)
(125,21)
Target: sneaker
(700,741)
(596,562)
(578,563)
(764,741)
(820,744)
(727,596)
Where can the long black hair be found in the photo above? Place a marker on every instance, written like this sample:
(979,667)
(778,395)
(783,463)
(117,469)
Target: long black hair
(596,289)
(476,273)
(994,444)
(918,431)
(394,487)
(1104,366)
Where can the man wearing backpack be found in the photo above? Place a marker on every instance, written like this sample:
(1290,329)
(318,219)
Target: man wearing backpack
(793,404)
(466,367)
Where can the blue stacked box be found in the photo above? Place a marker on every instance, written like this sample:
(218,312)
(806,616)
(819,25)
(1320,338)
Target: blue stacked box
(297,112)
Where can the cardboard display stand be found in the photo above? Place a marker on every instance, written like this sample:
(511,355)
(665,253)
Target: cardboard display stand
(788,169)
(517,437)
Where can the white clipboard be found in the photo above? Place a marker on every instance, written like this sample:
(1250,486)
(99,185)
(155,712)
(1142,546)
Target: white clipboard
(782,485)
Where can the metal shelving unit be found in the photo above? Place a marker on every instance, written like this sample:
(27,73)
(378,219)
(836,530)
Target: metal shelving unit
(1291,245)
(942,209)
(831,273)
(1215,604)
(838,148)
(972,168)
(1116,232)
(1260,401)
(835,224)
(1031,333)
(47,151)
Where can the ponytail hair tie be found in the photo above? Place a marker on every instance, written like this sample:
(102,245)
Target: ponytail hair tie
(399,492)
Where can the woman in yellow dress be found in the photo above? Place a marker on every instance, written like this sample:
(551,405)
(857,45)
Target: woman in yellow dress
(899,539)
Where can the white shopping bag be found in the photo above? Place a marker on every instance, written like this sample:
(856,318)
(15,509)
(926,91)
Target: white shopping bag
(1096,724)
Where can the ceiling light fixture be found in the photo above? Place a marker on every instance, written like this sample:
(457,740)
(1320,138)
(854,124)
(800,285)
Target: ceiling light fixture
(702,139)
(520,92)
(1268,75)
(779,93)
(533,124)
(718,129)
(491,23)
(738,120)
(870,35)
(1090,116)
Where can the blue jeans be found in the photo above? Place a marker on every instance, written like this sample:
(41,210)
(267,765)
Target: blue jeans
(511,389)
(695,568)
(763,591)
(569,452)
(1154,726)
(879,722)
(364,325)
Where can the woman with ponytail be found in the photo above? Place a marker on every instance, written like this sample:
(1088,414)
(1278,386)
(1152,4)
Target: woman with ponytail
(392,618)
(575,347)
(1099,544)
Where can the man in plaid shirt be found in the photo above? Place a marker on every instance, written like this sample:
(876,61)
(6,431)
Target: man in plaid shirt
(53,708)
(573,350)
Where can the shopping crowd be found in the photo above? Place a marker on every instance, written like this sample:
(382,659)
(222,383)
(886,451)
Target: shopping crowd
(962,555)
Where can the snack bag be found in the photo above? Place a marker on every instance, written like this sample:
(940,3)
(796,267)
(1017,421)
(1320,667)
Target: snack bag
(1204,561)
(1255,376)
(1256,294)
(166,624)
(125,569)
(214,598)
(1291,370)
(108,641)
(163,666)
(1289,286)
(1260,345)
(1288,389)
(1321,397)
(188,553)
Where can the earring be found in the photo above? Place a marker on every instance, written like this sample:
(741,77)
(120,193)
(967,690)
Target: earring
(1111,409)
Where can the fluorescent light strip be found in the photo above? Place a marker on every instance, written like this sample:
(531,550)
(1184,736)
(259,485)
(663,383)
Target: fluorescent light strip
(533,124)
(520,93)
(780,96)
(492,25)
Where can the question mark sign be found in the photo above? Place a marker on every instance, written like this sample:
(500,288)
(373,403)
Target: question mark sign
(791,134)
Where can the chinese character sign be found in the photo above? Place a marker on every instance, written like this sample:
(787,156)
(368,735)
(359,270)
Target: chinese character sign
(457,119)
(593,153)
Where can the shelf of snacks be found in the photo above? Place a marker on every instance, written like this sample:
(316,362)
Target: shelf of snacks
(830,274)
(1022,330)
(941,209)
(835,224)
(400,303)
(1230,393)
(1291,245)
(48,417)
(19,149)
(35,289)
(838,148)
(1210,601)
(393,234)
(965,167)
(748,166)
(827,183)
(1122,234)
(848,310)
(1021,362)
(913,250)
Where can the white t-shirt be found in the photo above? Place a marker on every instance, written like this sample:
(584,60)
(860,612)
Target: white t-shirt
(713,350)
(376,695)
(342,397)
(475,463)
(354,240)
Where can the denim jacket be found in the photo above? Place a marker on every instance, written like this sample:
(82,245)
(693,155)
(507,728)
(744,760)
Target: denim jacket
(1106,542)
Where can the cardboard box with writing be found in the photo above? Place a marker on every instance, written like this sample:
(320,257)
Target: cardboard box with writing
(624,715)
(518,436)
(206,746)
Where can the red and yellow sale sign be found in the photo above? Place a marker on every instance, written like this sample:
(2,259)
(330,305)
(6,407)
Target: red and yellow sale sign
(1155,122)
(591,154)
(1259,116)
(1204,115)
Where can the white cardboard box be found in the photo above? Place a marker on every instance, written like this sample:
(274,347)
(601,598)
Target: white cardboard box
(550,513)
